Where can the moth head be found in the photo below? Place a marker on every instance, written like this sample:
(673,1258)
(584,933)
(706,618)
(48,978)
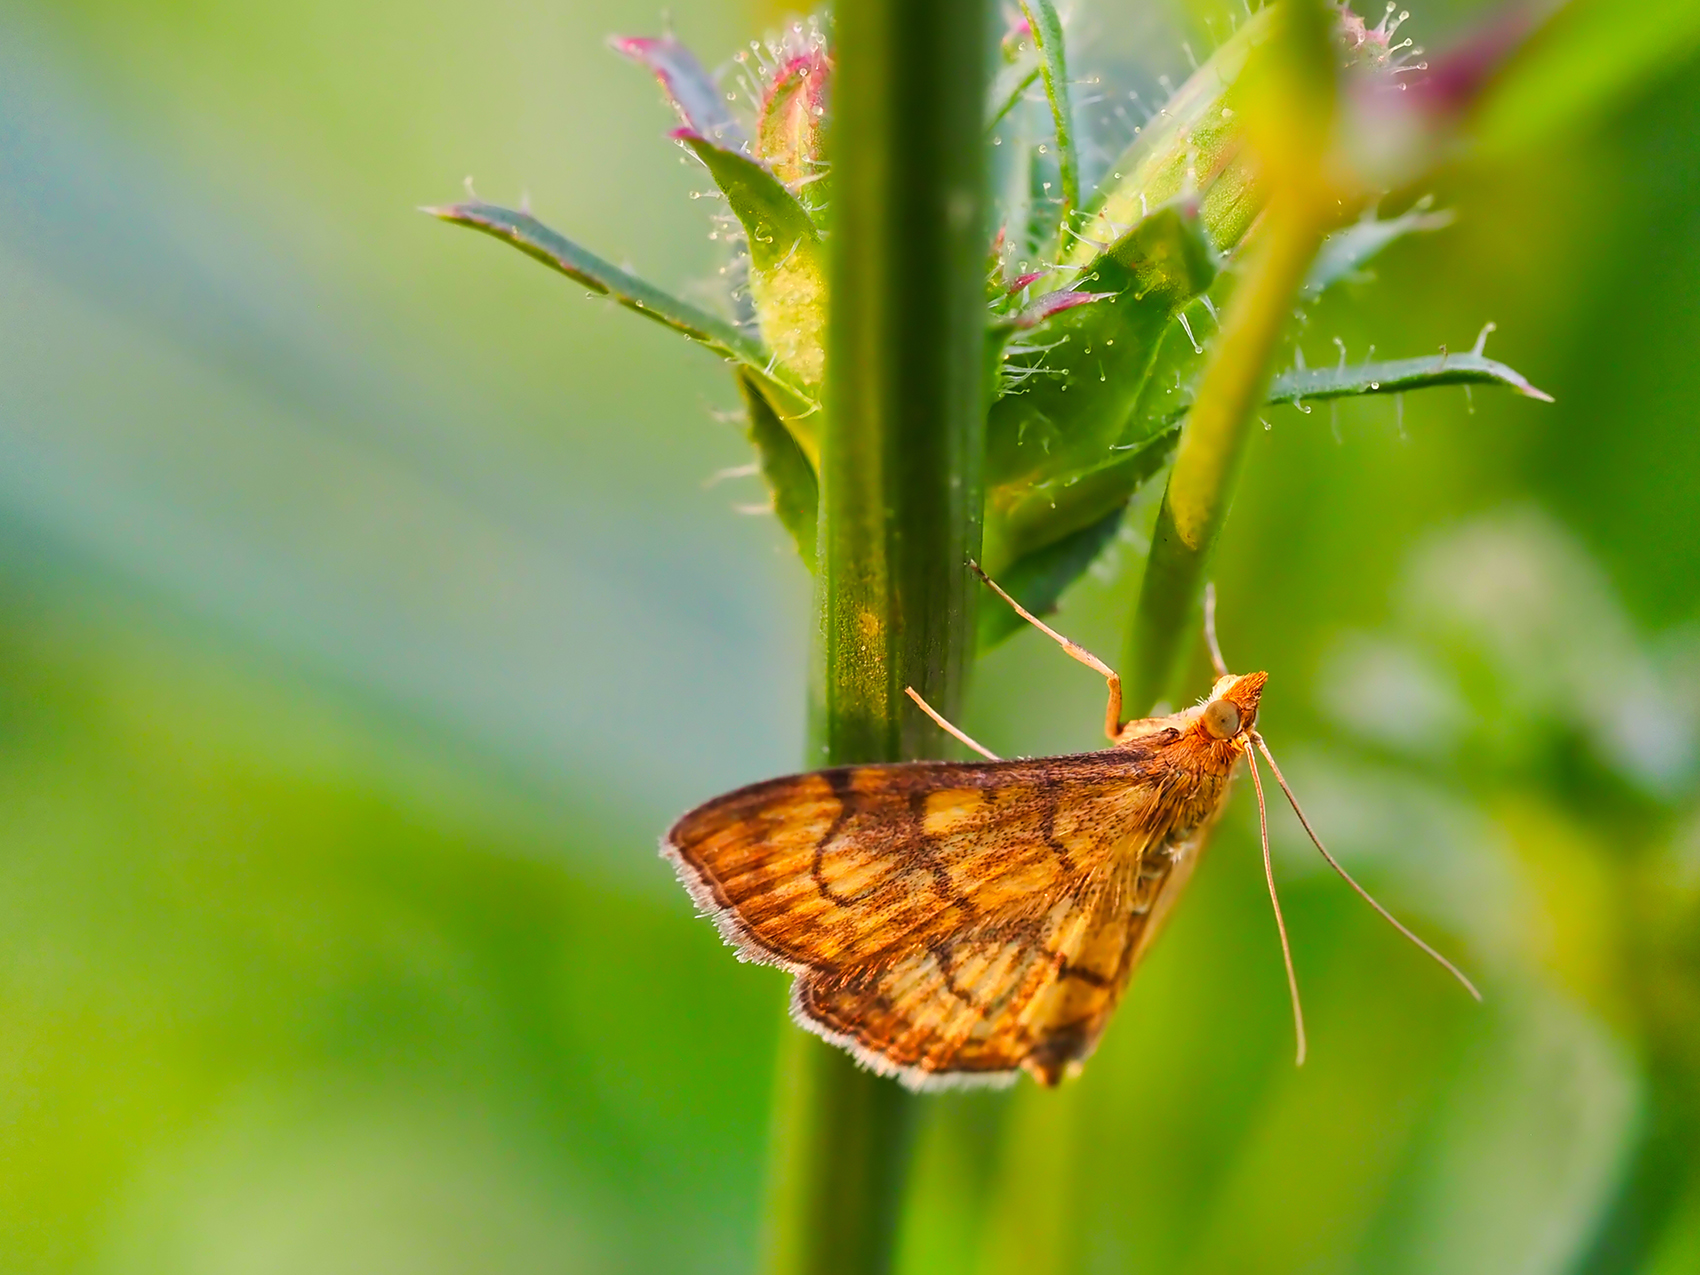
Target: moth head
(1232,707)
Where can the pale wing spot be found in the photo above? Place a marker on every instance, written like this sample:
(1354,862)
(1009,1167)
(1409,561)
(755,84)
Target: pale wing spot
(959,1021)
(1064,908)
(853,873)
(1017,883)
(953,810)
(1091,824)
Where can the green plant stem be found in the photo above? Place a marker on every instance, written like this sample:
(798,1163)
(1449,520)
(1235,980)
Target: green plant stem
(1046,26)
(1294,86)
(900,515)
(1207,462)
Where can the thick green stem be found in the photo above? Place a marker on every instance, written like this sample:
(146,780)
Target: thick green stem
(900,512)
(1293,87)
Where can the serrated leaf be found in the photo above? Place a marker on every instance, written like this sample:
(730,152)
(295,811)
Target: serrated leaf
(689,88)
(1344,254)
(1046,28)
(1398,376)
(790,477)
(1074,380)
(555,250)
(1389,376)
(787,259)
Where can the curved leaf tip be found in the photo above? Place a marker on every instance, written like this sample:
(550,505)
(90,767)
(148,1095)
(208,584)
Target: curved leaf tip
(690,89)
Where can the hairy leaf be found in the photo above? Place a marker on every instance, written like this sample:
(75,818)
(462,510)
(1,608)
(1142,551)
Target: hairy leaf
(1346,252)
(1383,376)
(1344,255)
(1195,147)
(1073,381)
(787,259)
(790,476)
(1023,520)
(1040,541)
(555,250)
(1397,376)
(791,127)
(689,88)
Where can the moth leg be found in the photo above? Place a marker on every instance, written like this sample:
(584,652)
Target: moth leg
(1113,710)
(945,726)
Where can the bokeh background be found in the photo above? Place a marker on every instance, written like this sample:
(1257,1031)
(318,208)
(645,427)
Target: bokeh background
(367,610)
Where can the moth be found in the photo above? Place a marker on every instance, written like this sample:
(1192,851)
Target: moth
(957,923)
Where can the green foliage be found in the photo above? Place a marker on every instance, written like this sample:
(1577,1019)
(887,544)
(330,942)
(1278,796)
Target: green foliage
(1046,29)
(784,466)
(1130,329)
(1070,385)
(558,252)
(787,265)
(1083,388)
(1396,376)
(365,615)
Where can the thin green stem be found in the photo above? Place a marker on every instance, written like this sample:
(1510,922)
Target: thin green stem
(1294,89)
(1207,461)
(1047,29)
(900,517)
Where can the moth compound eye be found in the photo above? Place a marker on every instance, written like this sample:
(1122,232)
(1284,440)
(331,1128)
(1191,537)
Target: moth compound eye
(1222,719)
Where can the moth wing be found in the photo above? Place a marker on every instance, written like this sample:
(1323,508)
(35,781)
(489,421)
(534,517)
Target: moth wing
(1031,993)
(840,867)
(948,923)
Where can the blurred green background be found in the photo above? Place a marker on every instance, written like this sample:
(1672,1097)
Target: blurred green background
(366,613)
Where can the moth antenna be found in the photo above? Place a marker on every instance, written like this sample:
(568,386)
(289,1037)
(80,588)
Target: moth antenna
(1210,630)
(1368,898)
(945,726)
(1275,902)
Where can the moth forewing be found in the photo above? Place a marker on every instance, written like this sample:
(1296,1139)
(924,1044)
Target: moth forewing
(951,923)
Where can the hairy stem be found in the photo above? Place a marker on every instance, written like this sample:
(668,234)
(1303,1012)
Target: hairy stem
(900,511)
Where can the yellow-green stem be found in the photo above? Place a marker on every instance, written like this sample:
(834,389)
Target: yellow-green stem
(1207,462)
(1291,85)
